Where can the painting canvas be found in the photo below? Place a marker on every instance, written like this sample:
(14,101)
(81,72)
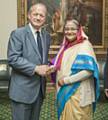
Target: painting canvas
(89,11)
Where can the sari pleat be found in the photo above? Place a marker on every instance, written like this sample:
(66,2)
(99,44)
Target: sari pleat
(73,111)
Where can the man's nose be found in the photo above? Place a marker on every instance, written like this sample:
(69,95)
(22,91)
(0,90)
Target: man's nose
(38,17)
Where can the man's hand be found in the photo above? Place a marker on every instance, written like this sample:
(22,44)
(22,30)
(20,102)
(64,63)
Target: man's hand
(106,92)
(42,69)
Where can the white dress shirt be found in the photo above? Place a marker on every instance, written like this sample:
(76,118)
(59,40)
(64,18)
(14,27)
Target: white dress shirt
(34,32)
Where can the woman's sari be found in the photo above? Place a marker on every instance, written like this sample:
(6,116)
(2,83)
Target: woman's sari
(71,59)
(76,58)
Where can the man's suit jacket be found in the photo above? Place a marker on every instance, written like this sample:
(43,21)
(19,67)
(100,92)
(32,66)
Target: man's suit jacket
(23,56)
(106,73)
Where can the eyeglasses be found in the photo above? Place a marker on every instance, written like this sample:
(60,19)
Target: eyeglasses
(70,29)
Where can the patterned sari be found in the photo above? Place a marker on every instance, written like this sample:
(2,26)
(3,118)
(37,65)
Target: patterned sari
(67,93)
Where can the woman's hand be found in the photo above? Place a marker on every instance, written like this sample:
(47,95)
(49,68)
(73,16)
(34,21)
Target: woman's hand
(106,92)
(61,82)
(51,70)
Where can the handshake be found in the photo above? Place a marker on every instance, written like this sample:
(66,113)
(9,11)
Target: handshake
(45,70)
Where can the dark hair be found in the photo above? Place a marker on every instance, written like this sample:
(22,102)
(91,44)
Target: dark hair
(71,16)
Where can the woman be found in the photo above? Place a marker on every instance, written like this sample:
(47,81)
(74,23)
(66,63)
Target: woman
(77,74)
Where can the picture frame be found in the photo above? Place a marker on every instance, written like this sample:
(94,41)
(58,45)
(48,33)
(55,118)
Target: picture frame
(95,15)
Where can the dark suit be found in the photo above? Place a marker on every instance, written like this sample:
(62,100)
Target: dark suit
(106,73)
(23,56)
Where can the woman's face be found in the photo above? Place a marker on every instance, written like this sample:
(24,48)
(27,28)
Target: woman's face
(70,30)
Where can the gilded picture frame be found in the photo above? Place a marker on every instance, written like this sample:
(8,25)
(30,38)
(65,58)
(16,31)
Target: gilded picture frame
(95,17)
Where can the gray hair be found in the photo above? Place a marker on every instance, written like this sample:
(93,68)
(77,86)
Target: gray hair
(35,5)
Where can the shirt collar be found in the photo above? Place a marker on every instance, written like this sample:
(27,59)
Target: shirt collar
(33,30)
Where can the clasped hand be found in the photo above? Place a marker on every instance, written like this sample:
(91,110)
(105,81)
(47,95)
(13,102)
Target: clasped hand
(44,70)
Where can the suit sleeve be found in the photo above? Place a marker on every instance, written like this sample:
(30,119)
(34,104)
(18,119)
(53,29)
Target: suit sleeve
(15,55)
(106,73)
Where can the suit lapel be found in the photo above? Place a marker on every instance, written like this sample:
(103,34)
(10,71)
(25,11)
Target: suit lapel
(32,41)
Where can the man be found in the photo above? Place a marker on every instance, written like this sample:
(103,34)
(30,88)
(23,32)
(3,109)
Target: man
(29,65)
(106,76)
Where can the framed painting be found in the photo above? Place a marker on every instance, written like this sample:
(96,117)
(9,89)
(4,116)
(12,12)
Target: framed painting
(90,11)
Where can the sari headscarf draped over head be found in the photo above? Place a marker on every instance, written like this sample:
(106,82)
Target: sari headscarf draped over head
(80,36)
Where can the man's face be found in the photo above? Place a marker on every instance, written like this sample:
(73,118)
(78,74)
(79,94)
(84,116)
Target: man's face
(70,30)
(37,16)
